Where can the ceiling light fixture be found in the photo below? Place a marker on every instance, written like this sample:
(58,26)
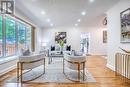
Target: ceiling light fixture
(51,25)
(48,20)
(76,25)
(33,0)
(91,1)
(43,12)
(79,20)
(83,13)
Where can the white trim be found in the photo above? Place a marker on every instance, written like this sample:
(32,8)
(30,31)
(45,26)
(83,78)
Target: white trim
(7,70)
(110,67)
(7,59)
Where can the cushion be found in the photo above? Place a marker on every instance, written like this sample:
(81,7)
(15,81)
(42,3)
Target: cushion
(78,53)
(52,48)
(26,52)
(68,48)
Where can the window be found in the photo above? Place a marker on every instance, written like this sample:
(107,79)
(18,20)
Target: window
(10,37)
(1,34)
(14,35)
(21,36)
(28,36)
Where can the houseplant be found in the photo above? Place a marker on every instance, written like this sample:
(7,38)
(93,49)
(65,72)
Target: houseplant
(61,43)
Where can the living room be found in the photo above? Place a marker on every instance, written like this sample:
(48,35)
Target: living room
(88,31)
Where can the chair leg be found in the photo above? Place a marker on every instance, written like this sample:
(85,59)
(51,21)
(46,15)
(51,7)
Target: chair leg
(21,74)
(78,71)
(63,65)
(17,71)
(50,60)
(83,71)
(44,65)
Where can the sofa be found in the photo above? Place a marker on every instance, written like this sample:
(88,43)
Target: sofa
(57,50)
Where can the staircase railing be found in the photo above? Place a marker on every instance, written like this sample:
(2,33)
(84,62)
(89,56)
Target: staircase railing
(122,64)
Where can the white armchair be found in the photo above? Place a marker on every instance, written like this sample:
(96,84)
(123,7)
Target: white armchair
(75,63)
(29,63)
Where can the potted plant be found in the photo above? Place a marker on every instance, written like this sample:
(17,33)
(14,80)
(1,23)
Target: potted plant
(61,43)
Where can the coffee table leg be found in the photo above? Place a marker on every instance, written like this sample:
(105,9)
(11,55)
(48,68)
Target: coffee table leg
(50,60)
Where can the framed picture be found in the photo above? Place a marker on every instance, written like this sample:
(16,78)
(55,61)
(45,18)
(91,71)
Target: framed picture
(125,26)
(105,36)
(60,36)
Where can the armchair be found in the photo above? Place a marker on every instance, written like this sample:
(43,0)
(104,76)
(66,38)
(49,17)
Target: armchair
(29,63)
(76,63)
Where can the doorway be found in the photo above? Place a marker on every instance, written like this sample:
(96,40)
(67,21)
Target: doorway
(85,43)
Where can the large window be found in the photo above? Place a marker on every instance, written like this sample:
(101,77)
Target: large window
(10,37)
(21,36)
(28,36)
(14,35)
(1,50)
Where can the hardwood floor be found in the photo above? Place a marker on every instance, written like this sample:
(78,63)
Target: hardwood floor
(96,66)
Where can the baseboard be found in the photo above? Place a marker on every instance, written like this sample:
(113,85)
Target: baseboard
(110,67)
(7,70)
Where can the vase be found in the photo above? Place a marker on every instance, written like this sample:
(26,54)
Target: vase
(61,49)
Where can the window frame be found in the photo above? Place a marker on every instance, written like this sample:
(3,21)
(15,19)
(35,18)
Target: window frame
(6,36)
(2,38)
(16,20)
(18,33)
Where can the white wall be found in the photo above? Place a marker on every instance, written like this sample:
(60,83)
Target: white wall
(97,47)
(114,28)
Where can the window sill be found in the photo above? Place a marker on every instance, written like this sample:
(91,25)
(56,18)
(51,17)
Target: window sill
(7,59)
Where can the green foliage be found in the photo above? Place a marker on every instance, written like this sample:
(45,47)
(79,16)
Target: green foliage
(61,43)
(22,41)
(10,29)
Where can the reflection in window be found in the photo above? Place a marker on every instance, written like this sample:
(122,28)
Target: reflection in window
(15,34)
(28,36)
(1,52)
(21,36)
(10,37)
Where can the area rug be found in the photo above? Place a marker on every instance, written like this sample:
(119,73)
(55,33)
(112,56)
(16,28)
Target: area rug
(54,74)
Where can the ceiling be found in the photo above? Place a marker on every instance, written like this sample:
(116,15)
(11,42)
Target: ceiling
(64,13)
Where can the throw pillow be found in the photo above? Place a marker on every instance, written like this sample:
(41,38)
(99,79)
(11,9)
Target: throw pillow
(52,48)
(26,52)
(68,48)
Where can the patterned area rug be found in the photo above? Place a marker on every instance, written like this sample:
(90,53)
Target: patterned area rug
(54,74)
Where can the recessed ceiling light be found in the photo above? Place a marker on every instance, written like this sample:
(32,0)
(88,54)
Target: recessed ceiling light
(91,1)
(33,0)
(52,25)
(48,20)
(83,13)
(79,20)
(43,12)
(76,25)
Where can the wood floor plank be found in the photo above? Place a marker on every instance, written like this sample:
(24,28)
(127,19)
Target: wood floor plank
(96,66)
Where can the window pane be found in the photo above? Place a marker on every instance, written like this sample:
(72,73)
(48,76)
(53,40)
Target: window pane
(21,36)
(10,36)
(1,36)
(28,36)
